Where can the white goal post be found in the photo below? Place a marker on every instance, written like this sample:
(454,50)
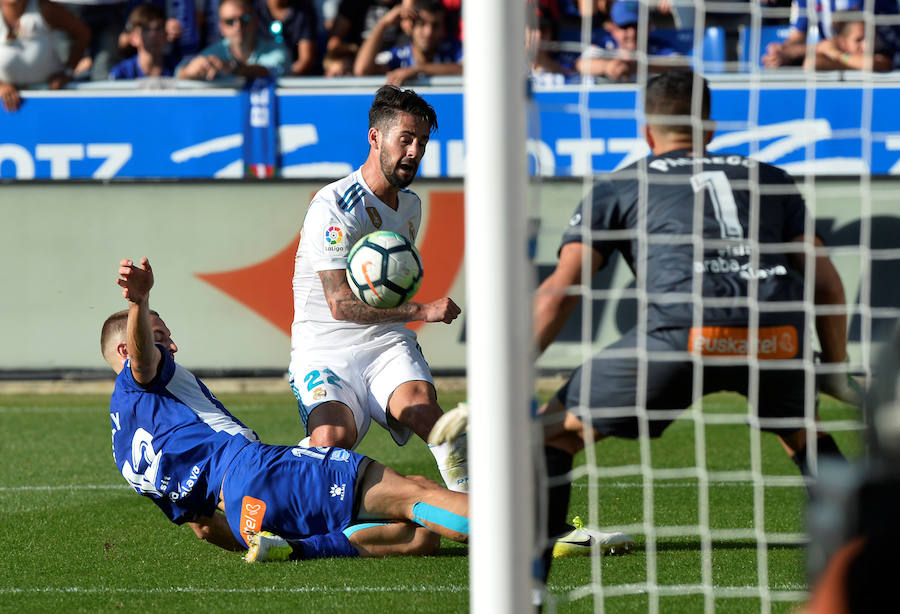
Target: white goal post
(497,277)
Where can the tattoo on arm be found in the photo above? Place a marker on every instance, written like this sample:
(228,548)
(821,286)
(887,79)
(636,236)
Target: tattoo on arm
(345,306)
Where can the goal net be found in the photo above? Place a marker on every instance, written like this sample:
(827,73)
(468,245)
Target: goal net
(717,508)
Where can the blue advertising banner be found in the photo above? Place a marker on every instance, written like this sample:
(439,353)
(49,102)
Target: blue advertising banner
(834,130)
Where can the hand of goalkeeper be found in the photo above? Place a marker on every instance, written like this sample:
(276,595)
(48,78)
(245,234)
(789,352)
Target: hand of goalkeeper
(842,386)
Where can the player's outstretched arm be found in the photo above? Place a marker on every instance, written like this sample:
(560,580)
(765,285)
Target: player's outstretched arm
(136,282)
(553,304)
(345,306)
(829,290)
(831,328)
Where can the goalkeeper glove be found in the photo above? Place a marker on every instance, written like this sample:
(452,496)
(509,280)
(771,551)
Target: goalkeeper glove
(842,386)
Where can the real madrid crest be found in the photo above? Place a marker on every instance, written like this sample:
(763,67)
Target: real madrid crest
(374,216)
(412,231)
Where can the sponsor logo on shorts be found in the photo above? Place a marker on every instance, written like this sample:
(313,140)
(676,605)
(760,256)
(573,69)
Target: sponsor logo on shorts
(319,394)
(338,491)
(773,342)
(317,453)
(340,455)
(374,216)
(252,512)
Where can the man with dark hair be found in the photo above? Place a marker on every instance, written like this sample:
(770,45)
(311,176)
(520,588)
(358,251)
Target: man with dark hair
(699,272)
(351,363)
(429,51)
(174,442)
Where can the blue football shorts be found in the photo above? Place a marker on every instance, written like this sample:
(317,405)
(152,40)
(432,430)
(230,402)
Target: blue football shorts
(294,492)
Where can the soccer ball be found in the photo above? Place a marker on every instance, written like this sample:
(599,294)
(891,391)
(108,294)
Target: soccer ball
(384,269)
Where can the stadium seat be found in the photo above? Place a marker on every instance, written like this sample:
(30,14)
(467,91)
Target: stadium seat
(767,34)
(714,50)
(713,46)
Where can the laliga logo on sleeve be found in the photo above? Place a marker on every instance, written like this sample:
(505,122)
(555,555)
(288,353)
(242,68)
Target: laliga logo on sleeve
(333,235)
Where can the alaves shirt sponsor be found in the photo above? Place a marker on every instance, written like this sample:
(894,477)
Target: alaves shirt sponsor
(173,440)
(648,212)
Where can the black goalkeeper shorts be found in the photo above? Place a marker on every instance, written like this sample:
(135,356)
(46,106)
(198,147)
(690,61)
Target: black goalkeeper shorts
(607,385)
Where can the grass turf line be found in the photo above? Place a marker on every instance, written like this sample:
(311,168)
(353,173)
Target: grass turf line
(77,539)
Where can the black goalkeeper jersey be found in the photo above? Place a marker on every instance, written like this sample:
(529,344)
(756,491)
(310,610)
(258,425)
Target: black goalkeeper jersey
(647,210)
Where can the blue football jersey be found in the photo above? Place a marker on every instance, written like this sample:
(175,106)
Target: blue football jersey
(173,440)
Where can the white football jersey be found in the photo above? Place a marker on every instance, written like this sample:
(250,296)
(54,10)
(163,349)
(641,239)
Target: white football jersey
(339,215)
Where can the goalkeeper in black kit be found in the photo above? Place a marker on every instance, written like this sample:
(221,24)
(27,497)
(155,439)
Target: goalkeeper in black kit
(699,272)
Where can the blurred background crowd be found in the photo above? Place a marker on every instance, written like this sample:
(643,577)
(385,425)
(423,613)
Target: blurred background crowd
(49,43)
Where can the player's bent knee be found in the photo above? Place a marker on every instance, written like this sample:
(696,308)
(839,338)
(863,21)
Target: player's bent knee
(332,424)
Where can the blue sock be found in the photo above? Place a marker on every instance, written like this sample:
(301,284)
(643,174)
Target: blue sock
(330,545)
(424,512)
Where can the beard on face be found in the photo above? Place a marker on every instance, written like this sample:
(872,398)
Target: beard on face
(389,170)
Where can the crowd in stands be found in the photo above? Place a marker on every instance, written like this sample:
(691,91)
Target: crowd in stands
(48,43)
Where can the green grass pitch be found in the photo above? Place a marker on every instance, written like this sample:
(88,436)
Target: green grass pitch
(77,539)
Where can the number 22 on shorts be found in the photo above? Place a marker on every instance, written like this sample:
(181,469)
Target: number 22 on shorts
(315,378)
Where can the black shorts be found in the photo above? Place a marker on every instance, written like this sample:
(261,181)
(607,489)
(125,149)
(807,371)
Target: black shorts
(611,381)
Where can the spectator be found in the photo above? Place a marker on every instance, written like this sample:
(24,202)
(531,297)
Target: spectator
(105,19)
(27,52)
(428,53)
(452,17)
(847,49)
(612,54)
(356,19)
(208,22)
(146,32)
(181,27)
(242,52)
(793,50)
(295,23)
(338,62)
(539,37)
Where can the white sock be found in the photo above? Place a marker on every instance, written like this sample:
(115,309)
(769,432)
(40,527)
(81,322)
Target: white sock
(452,462)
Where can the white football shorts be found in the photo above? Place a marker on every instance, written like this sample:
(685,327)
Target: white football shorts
(362,377)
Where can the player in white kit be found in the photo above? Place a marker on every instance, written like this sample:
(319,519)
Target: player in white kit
(351,363)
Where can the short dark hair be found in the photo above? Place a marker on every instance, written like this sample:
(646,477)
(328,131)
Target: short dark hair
(143,15)
(671,94)
(113,329)
(390,100)
(429,6)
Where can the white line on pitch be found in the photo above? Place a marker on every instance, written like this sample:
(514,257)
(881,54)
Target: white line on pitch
(65,487)
(446,588)
(667,484)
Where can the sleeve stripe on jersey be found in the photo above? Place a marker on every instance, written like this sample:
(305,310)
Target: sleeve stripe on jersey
(352,196)
(184,387)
